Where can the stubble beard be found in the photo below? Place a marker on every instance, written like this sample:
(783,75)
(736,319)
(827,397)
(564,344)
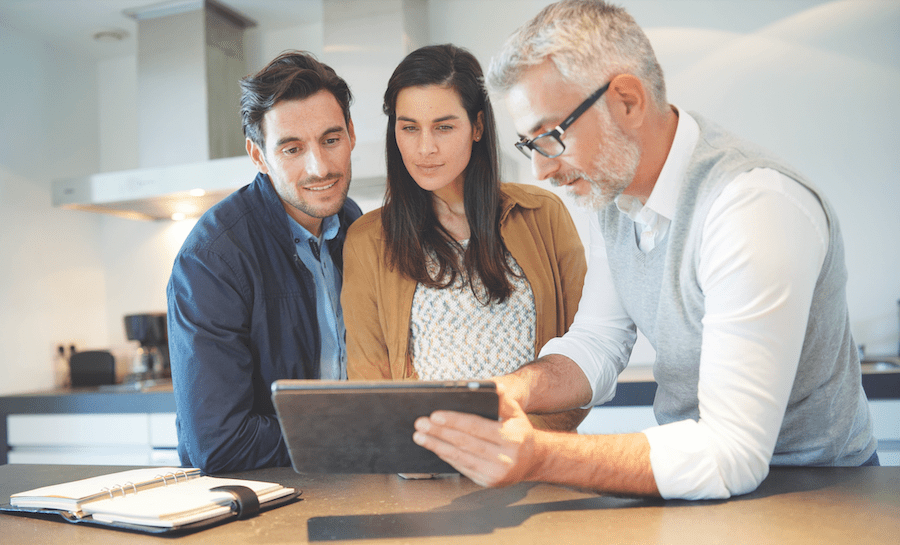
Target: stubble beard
(320,211)
(613,170)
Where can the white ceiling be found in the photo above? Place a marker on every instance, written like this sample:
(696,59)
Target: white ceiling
(71,24)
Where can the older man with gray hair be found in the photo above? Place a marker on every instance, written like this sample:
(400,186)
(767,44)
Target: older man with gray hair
(729,261)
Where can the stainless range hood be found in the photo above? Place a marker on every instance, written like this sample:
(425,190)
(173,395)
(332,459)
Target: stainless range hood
(190,59)
(191,147)
(176,192)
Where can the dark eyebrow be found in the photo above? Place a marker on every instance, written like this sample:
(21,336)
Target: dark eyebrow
(438,120)
(286,139)
(332,130)
(537,126)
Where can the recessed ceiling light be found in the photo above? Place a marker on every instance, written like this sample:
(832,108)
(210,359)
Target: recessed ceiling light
(110,35)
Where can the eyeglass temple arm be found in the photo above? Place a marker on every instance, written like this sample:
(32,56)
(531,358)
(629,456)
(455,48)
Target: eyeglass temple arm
(581,109)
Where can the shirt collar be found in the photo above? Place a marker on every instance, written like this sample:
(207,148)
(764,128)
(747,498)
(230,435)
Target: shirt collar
(330,227)
(664,197)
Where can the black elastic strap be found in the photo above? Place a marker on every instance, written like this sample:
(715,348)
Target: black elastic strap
(246,499)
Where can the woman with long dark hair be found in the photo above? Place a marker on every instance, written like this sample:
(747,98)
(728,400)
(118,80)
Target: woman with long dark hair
(458,276)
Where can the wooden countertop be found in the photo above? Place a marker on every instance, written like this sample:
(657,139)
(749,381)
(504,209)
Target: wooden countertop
(793,505)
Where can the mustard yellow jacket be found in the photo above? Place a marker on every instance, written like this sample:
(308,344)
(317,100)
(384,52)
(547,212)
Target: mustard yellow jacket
(377,301)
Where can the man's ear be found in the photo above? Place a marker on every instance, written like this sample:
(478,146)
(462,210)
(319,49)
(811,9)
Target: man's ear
(352,134)
(630,99)
(257,156)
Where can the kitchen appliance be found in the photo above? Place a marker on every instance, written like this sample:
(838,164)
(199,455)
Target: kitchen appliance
(151,361)
(92,368)
(190,56)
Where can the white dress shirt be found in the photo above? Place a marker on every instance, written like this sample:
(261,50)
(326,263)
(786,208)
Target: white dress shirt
(764,242)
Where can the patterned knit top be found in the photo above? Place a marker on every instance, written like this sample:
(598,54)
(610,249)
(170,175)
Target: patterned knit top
(453,336)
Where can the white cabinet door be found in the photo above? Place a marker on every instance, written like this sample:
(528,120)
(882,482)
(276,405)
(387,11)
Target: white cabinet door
(886,414)
(96,439)
(77,429)
(617,420)
(162,430)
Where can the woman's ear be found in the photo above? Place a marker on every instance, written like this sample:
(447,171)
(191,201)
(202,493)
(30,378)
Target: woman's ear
(478,129)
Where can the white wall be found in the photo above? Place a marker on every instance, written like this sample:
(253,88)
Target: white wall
(819,88)
(52,282)
(816,81)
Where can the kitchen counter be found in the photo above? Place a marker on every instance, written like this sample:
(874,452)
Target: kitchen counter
(636,389)
(96,400)
(793,505)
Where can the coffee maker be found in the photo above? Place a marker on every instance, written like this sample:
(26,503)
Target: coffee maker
(151,361)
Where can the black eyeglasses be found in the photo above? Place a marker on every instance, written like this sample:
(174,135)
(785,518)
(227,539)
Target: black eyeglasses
(550,144)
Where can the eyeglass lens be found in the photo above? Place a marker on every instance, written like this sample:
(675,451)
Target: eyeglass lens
(548,145)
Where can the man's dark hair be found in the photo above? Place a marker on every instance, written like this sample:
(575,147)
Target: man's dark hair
(292,75)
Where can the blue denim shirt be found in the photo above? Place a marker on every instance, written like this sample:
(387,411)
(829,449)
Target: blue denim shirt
(241,314)
(313,252)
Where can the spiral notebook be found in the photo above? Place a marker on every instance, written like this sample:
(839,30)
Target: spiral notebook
(152,500)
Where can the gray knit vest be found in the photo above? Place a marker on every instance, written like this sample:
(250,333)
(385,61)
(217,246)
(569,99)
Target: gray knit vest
(827,420)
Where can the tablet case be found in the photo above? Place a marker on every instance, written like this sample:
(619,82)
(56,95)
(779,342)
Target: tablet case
(367,426)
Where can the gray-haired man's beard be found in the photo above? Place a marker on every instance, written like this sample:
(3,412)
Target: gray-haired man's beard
(613,171)
(599,194)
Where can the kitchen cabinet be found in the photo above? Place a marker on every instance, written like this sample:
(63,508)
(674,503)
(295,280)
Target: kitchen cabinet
(108,439)
(605,420)
(632,410)
(886,414)
(90,426)
(624,419)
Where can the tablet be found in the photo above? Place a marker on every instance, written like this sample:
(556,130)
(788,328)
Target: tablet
(367,426)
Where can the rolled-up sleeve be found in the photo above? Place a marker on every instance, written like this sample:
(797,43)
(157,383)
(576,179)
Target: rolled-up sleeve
(763,246)
(600,339)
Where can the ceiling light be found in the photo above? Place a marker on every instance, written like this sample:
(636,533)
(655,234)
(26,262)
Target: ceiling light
(110,35)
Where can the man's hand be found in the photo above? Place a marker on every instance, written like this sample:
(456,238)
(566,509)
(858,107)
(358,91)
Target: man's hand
(510,451)
(518,386)
(515,388)
(489,452)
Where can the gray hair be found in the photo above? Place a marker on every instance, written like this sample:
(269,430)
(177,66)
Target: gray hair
(589,42)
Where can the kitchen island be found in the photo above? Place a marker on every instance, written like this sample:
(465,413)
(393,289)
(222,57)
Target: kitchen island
(793,505)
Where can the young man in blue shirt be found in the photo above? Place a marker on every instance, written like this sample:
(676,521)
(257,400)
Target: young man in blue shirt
(254,294)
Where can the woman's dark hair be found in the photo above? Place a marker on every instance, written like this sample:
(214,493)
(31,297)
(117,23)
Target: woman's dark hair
(411,227)
(291,75)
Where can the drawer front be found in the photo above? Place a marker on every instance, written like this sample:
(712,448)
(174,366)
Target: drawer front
(82,455)
(24,430)
(162,430)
